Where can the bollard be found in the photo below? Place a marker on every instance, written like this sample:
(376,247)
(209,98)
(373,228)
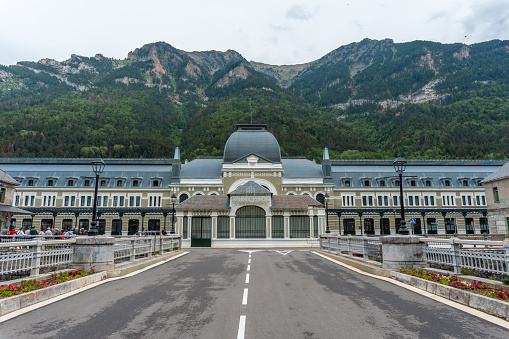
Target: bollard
(133,251)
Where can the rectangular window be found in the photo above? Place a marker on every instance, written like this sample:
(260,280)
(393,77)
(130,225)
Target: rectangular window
(89,201)
(131,201)
(66,201)
(395,200)
(495,194)
(410,200)
(98,201)
(17,201)
(115,201)
(27,200)
(121,203)
(50,182)
(426,200)
(380,201)
(73,201)
(82,201)
(119,183)
(70,183)
(32,200)
(105,201)
(138,201)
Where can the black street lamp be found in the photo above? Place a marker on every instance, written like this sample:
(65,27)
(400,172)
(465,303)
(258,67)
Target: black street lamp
(327,230)
(98,167)
(399,167)
(173,201)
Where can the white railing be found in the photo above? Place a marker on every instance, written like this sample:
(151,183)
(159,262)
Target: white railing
(30,256)
(24,238)
(135,247)
(478,255)
(369,248)
(454,254)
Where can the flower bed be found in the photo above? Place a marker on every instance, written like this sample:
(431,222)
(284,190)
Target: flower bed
(30,285)
(453,281)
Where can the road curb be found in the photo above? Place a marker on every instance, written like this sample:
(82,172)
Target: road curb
(479,302)
(358,264)
(130,267)
(17,302)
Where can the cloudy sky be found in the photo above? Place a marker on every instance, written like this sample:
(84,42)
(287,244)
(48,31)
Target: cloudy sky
(273,32)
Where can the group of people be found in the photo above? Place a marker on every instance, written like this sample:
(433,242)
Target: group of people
(31,231)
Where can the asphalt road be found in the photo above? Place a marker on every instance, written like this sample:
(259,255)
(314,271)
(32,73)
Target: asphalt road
(288,294)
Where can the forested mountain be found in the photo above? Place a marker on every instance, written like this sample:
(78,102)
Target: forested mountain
(367,99)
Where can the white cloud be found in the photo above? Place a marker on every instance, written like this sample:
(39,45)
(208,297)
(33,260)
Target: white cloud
(276,32)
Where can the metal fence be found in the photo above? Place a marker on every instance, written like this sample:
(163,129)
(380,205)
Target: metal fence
(478,255)
(368,248)
(454,254)
(31,256)
(133,248)
(22,257)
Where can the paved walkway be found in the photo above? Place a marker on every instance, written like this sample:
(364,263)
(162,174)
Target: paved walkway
(212,293)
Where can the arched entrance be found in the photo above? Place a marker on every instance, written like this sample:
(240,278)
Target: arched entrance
(250,223)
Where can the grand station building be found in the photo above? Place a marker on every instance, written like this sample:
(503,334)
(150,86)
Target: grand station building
(252,196)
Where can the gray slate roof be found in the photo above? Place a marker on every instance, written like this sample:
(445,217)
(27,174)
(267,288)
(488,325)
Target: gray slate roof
(501,173)
(202,169)
(244,142)
(250,188)
(204,203)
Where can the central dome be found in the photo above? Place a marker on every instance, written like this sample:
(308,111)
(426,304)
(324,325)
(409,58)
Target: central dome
(251,139)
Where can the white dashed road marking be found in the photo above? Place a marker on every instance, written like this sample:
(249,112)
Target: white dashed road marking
(242,327)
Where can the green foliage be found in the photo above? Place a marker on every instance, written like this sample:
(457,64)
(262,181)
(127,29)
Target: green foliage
(163,97)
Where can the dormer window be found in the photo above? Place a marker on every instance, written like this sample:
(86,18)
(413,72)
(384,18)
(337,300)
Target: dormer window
(367,183)
(86,183)
(103,183)
(347,181)
(413,183)
(382,183)
(136,183)
(30,182)
(70,182)
(447,183)
(396,183)
(464,183)
(427,183)
(156,182)
(51,182)
(119,183)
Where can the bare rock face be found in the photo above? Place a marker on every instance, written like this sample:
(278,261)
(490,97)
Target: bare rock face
(238,73)
(463,53)
(193,70)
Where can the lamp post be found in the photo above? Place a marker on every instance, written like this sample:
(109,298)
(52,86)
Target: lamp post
(399,167)
(173,200)
(98,167)
(327,230)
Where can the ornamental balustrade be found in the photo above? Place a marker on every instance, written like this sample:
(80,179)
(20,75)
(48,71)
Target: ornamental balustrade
(367,248)
(136,247)
(454,254)
(31,257)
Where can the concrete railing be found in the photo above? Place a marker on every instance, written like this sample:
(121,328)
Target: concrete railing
(398,251)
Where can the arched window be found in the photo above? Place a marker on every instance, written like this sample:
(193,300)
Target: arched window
(320,198)
(250,223)
(183,197)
